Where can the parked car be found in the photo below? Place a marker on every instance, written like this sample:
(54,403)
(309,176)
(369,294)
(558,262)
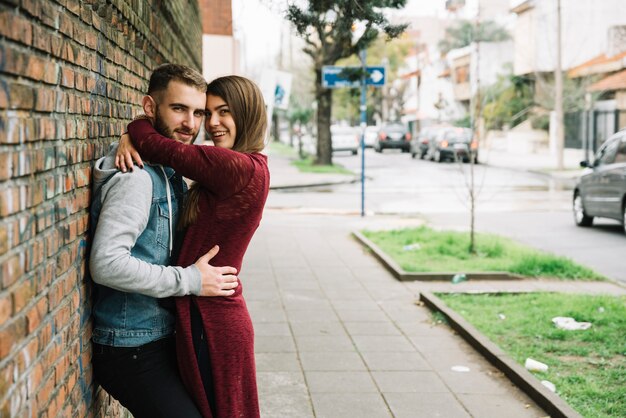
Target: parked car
(453,144)
(420,142)
(393,135)
(371,132)
(345,138)
(601,190)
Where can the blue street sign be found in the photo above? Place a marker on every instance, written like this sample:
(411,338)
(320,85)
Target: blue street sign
(332,77)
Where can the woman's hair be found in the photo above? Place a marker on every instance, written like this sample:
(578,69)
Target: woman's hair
(245,101)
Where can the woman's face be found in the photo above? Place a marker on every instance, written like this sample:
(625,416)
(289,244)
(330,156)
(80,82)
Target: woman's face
(219,122)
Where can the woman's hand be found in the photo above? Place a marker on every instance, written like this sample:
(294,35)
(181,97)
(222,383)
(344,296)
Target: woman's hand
(126,154)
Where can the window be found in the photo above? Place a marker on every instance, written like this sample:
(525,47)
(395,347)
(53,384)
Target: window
(606,154)
(620,157)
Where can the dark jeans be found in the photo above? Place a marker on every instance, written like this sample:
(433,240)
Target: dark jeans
(202,354)
(144,379)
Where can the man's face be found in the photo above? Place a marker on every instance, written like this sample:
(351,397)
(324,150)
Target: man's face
(179,111)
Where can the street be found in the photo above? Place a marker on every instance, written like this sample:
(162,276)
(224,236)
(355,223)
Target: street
(531,208)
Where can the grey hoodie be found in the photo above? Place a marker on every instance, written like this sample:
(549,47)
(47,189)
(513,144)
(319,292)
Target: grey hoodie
(126,200)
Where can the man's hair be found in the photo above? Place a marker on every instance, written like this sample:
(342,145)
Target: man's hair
(245,101)
(163,74)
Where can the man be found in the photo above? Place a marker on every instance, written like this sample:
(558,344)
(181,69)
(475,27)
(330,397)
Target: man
(134,216)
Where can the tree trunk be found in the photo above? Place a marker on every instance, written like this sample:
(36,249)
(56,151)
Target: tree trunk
(324,103)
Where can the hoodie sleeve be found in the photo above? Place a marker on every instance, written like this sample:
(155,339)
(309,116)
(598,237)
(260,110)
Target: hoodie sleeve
(126,200)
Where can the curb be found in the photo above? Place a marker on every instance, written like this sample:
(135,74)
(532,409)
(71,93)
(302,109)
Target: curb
(318,184)
(549,401)
(401,275)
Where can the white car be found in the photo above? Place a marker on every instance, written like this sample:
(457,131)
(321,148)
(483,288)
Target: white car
(371,132)
(345,138)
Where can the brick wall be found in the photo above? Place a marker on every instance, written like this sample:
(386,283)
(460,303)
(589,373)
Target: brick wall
(71,75)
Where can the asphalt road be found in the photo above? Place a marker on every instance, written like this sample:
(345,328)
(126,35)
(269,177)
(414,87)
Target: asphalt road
(531,208)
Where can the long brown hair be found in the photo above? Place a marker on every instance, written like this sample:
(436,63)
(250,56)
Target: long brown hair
(246,104)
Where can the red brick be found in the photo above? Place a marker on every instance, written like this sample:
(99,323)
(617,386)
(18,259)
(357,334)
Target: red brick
(45,99)
(6,309)
(67,77)
(36,314)
(62,316)
(22,295)
(21,97)
(12,269)
(10,335)
(5,167)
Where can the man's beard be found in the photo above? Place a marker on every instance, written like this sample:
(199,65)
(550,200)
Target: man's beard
(162,128)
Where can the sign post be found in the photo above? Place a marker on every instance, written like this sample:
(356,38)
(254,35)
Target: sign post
(336,77)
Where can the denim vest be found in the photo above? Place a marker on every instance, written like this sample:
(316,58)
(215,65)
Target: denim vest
(124,319)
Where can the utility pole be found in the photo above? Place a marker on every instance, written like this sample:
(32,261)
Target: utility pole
(558,85)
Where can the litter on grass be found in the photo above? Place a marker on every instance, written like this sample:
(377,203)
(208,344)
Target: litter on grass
(535,366)
(570,324)
(549,385)
(411,247)
(458,278)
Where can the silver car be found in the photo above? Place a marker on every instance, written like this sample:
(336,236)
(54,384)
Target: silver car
(601,190)
(345,138)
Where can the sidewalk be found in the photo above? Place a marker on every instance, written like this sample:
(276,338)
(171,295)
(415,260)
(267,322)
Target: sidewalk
(338,336)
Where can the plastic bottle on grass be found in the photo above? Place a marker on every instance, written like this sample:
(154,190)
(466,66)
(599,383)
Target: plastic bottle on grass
(458,278)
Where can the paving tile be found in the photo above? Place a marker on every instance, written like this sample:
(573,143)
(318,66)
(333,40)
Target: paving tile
(476,382)
(340,361)
(446,358)
(324,328)
(340,382)
(312,315)
(268,315)
(283,395)
(409,381)
(382,343)
(362,405)
(345,295)
(379,360)
(426,405)
(277,362)
(274,344)
(371,328)
(500,405)
(324,343)
(356,315)
(272,328)
(421,327)
(356,305)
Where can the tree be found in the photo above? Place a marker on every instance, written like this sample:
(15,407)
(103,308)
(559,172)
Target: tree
(391,54)
(507,102)
(326,27)
(465,32)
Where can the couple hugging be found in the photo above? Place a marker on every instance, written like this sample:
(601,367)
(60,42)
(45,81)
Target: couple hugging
(172,336)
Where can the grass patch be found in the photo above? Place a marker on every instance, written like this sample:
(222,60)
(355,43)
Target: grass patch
(588,367)
(285,150)
(305,165)
(423,249)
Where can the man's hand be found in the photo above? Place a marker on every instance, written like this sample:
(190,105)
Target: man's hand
(126,153)
(216,281)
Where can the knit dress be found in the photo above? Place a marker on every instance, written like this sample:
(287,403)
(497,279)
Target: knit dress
(233,192)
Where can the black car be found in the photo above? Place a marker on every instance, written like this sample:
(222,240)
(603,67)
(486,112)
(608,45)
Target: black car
(601,190)
(453,144)
(393,135)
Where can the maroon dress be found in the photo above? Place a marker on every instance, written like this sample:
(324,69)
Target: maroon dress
(233,191)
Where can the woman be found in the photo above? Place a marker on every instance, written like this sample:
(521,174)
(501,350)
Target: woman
(224,207)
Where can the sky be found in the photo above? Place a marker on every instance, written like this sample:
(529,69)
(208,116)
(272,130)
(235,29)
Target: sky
(258,23)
